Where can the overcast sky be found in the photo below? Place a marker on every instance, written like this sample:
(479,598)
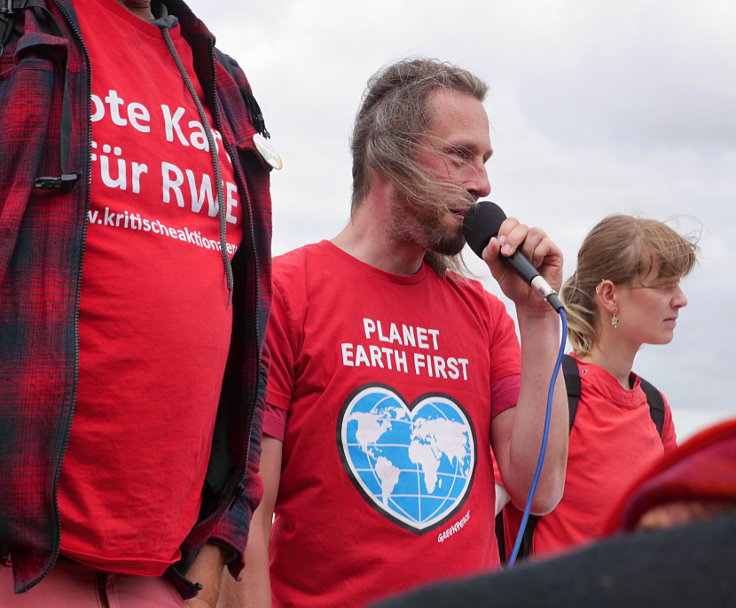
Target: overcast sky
(596,107)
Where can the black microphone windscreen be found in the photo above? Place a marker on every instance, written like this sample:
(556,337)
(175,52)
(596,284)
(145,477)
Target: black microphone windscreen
(482,222)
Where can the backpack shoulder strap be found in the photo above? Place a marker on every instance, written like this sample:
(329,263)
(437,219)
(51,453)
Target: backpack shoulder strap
(572,384)
(656,403)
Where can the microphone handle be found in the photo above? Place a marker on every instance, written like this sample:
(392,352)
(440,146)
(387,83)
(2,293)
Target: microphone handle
(526,270)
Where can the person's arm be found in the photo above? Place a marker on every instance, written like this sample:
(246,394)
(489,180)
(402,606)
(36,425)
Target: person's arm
(253,590)
(207,571)
(517,432)
(502,496)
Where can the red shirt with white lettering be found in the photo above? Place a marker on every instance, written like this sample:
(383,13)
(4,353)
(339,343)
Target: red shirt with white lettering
(154,325)
(389,384)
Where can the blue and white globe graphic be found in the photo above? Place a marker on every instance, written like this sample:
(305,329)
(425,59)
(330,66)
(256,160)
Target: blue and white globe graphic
(415,464)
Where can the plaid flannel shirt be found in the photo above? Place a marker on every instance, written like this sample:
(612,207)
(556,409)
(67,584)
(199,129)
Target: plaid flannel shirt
(42,236)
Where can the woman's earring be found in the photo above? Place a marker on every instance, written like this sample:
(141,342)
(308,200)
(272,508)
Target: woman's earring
(614,319)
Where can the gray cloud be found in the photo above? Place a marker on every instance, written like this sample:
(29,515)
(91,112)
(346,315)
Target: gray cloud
(596,107)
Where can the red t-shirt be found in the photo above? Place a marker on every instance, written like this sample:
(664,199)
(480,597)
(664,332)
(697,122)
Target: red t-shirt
(154,327)
(612,442)
(390,384)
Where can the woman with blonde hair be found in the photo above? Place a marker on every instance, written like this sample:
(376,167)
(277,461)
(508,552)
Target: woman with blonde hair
(624,293)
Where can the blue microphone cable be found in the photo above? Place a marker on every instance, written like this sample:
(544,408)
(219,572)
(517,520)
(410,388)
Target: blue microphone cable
(543,447)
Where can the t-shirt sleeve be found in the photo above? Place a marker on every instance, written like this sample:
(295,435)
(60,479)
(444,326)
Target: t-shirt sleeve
(282,345)
(274,422)
(505,393)
(505,357)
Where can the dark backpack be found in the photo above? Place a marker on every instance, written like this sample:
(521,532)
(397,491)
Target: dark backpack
(572,383)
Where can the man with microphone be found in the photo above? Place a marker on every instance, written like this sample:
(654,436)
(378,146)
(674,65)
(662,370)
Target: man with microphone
(394,377)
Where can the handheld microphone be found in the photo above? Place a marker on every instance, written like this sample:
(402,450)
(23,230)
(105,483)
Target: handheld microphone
(482,222)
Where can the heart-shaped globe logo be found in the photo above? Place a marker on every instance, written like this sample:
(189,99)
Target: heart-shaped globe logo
(414,463)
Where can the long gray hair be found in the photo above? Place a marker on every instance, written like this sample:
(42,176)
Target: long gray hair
(393,117)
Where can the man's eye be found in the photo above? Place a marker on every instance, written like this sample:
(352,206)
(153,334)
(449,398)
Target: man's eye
(463,154)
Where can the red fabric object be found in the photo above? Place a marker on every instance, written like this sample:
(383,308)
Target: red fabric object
(152,236)
(344,334)
(701,470)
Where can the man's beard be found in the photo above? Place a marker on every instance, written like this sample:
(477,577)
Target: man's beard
(423,221)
